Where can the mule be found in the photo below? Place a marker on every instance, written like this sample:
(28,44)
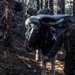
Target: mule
(41,35)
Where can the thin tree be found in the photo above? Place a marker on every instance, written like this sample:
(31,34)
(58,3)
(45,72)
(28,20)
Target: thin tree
(8,31)
(74,8)
(61,7)
(37,4)
(46,3)
(41,4)
(51,5)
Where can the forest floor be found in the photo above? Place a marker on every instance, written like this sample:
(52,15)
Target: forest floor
(18,61)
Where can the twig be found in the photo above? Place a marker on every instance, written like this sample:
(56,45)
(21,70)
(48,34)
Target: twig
(29,66)
(18,42)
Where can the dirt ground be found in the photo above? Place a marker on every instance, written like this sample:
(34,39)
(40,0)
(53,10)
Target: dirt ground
(18,61)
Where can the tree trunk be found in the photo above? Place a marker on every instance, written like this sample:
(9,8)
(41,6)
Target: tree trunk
(51,5)
(8,31)
(74,8)
(46,3)
(37,4)
(61,7)
(41,3)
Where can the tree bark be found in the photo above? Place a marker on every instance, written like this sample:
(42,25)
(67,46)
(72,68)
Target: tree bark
(61,7)
(51,5)
(46,3)
(37,4)
(74,8)
(8,31)
(41,3)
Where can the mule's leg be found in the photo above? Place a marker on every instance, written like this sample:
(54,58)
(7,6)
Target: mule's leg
(41,58)
(37,55)
(43,65)
(53,61)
